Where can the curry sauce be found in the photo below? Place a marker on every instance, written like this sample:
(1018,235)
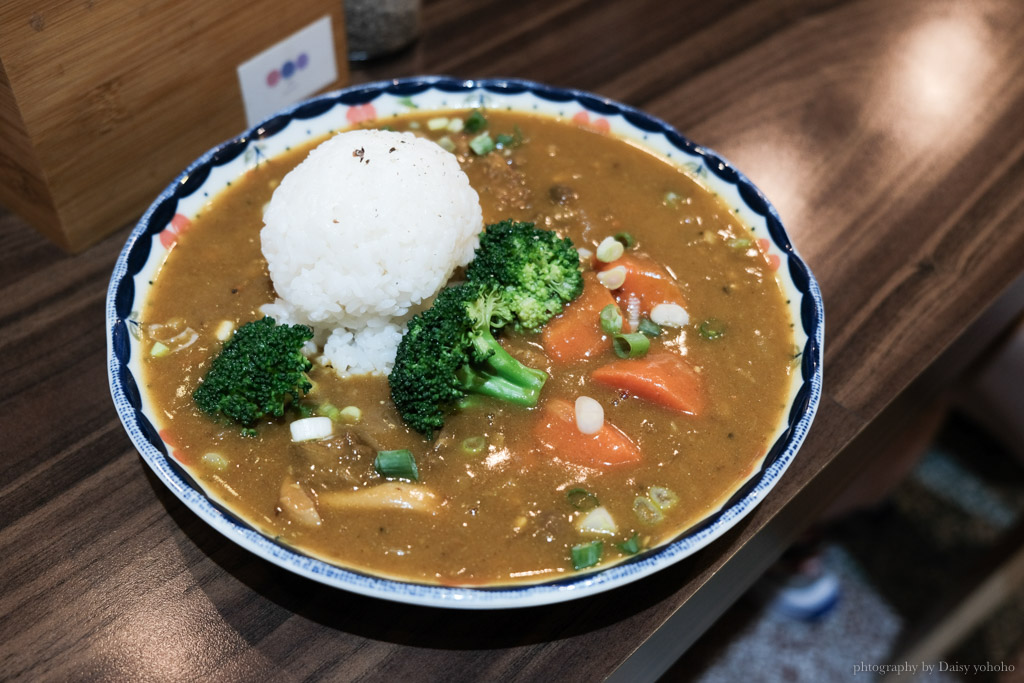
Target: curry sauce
(504,508)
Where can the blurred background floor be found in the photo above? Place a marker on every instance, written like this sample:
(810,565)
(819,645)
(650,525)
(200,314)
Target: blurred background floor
(895,562)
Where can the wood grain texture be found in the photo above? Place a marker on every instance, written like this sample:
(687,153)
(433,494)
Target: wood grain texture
(101,103)
(890,136)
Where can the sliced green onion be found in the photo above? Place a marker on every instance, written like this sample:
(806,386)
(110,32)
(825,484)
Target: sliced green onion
(649,328)
(215,461)
(474,445)
(586,554)
(455,125)
(582,499)
(437,123)
(328,410)
(625,239)
(474,122)
(446,144)
(646,511)
(397,464)
(632,546)
(739,243)
(609,250)
(514,140)
(611,319)
(597,521)
(350,414)
(224,330)
(612,278)
(482,144)
(670,199)
(669,315)
(662,497)
(311,428)
(711,329)
(159,350)
(630,345)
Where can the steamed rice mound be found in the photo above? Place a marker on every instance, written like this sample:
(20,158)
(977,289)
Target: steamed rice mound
(369,226)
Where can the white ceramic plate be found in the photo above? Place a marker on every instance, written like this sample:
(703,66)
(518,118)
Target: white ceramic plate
(148,244)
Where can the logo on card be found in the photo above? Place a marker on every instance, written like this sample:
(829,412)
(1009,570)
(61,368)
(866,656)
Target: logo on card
(287,70)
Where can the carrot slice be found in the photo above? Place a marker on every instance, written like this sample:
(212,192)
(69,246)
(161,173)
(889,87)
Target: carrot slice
(662,378)
(648,282)
(557,434)
(576,333)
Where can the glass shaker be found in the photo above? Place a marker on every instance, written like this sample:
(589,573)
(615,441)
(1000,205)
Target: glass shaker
(376,28)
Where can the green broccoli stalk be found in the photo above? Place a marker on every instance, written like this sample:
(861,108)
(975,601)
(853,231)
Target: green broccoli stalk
(449,351)
(536,271)
(259,373)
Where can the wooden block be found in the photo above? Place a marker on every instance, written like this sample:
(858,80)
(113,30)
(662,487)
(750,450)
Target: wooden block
(103,104)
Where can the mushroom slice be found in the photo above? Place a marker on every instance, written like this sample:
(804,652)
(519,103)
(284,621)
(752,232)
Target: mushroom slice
(391,496)
(294,500)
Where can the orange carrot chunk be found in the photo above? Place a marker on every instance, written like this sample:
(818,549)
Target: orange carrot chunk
(576,332)
(557,434)
(648,282)
(663,378)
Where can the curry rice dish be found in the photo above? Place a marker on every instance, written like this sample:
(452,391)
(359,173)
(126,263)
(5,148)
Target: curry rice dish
(667,376)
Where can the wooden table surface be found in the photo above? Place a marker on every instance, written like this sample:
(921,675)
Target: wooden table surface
(888,133)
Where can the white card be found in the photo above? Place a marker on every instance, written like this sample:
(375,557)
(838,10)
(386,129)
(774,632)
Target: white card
(289,71)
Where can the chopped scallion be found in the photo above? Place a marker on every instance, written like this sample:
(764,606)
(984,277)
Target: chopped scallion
(646,511)
(507,141)
(739,243)
(671,199)
(311,428)
(438,123)
(398,464)
(597,521)
(328,410)
(215,461)
(609,250)
(482,144)
(350,414)
(625,239)
(632,546)
(711,329)
(630,345)
(159,350)
(582,499)
(446,144)
(611,319)
(474,122)
(474,445)
(662,497)
(586,554)
(649,328)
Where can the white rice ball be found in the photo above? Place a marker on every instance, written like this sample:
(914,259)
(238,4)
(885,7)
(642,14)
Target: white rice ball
(370,225)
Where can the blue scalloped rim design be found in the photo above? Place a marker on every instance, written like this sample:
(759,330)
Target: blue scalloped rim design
(128,402)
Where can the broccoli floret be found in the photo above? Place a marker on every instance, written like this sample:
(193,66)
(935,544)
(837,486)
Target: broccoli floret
(449,351)
(259,373)
(537,271)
